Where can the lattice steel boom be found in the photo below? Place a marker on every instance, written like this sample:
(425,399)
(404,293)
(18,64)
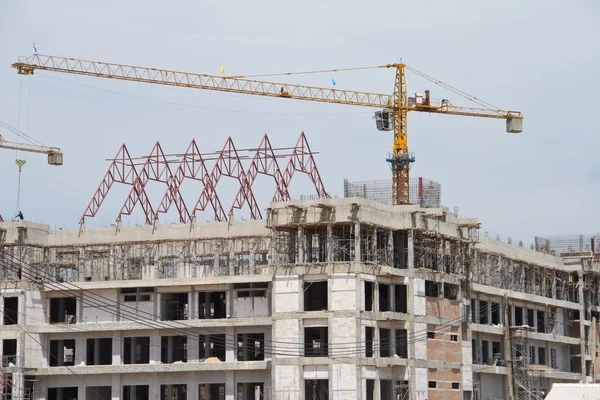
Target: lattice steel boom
(397,104)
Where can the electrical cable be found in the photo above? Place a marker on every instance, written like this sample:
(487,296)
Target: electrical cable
(343,350)
(46,349)
(284,344)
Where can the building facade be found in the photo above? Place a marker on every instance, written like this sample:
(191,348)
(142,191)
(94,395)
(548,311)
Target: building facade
(327,299)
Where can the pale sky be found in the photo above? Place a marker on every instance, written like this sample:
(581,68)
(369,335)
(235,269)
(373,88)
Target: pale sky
(538,57)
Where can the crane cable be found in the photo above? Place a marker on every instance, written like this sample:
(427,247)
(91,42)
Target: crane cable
(307,72)
(18,162)
(452,89)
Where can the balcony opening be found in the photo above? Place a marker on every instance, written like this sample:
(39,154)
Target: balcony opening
(63,310)
(315,296)
(211,391)
(316,244)
(173,349)
(384,297)
(9,353)
(173,392)
(484,351)
(63,393)
(553,362)
(541,322)
(385,389)
(316,389)
(450,291)
(530,317)
(343,242)
(400,299)
(385,349)
(174,306)
(136,392)
(432,289)
(369,337)
(251,347)
(541,356)
(99,351)
(369,296)
(496,352)
(316,342)
(62,353)
(474,358)
(370,389)
(212,347)
(495,313)
(518,316)
(483,312)
(401,343)
(136,350)
(97,393)
(400,239)
(212,305)
(251,390)
(11,310)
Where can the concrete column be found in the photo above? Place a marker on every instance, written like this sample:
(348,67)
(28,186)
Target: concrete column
(301,250)
(117,348)
(192,390)
(411,251)
(329,243)
(231,257)
(154,348)
(375,296)
(390,250)
(230,385)
(81,391)
(154,389)
(80,351)
(193,349)
(157,308)
(115,387)
(230,344)
(357,243)
(192,302)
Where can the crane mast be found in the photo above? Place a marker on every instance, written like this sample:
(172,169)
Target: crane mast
(392,117)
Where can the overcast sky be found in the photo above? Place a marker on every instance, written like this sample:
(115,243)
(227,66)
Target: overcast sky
(539,57)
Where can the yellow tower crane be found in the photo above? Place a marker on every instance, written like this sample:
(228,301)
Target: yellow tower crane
(392,116)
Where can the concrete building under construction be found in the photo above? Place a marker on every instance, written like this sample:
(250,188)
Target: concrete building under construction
(321,299)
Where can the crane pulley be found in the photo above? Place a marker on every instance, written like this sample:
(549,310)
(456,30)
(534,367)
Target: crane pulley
(393,114)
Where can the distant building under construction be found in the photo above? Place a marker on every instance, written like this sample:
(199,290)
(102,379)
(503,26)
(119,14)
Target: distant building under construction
(322,299)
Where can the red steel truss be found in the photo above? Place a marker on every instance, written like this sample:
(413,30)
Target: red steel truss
(194,165)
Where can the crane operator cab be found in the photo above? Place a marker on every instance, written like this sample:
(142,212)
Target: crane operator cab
(384,120)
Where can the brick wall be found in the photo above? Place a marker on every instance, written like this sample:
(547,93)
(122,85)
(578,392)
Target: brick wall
(442,308)
(444,378)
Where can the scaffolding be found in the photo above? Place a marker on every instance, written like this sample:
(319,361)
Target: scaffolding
(424,192)
(528,384)
(560,245)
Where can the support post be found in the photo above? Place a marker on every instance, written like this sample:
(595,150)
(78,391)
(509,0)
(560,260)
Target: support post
(508,351)
(593,348)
